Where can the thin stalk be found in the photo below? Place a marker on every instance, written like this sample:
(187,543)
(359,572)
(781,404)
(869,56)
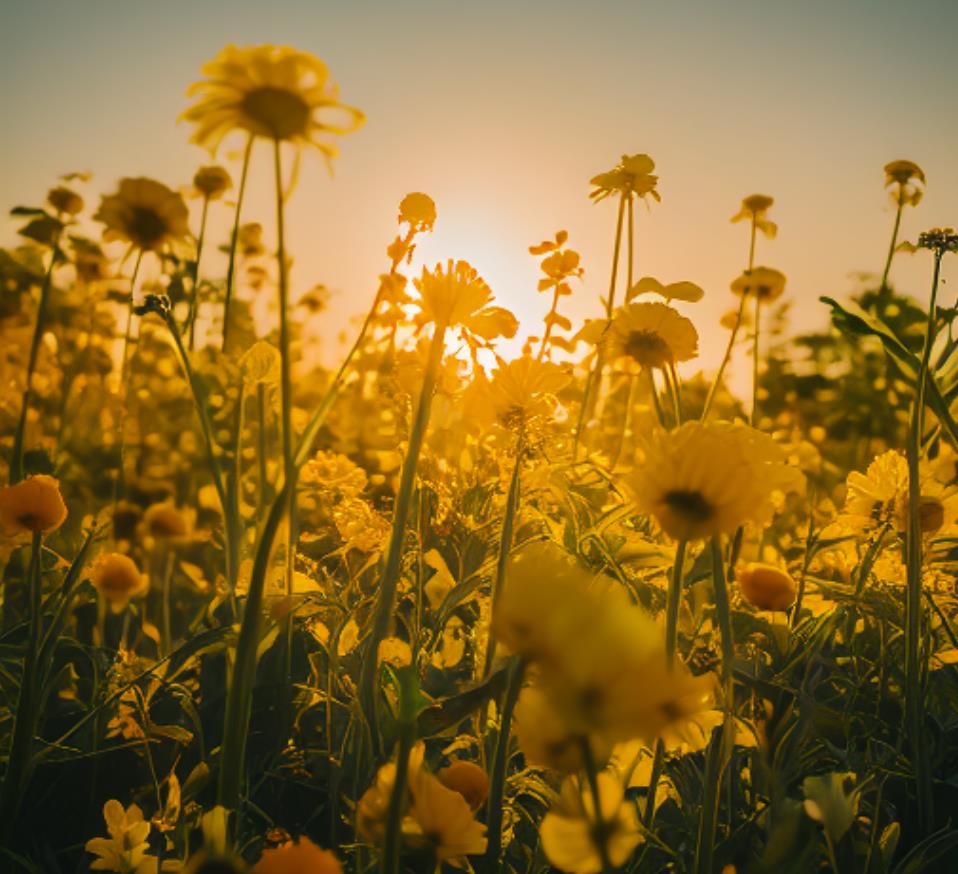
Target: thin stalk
(594,380)
(894,239)
(626,420)
(806,561)
(128,333)
(16,458)
(672,380)
(914,691)
(500,760)
(549,323)
(758,312)
(502,559)
(234,238)
(674,600)
(20,761)
(659,414)
(196,273)
(391,569)
(407,736)
(717,381)
(600,829)
(630,259)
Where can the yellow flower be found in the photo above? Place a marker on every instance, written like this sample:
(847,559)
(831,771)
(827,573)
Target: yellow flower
(167,523)
(458,296)
(301,856)
(632,176)
(212,181)
(32,506)
(650,335)
(269,91)
(766,587)
(569,835)
(754,209)
(468,779)
(909,178)
(418,210)
(880,496)
(144,212)
(765,282)
(521,392)
(117,578)
(125,851)
(704,479)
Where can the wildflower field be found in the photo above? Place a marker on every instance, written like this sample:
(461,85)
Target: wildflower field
(442,606)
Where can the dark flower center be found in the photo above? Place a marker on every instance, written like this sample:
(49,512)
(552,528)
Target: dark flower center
(146,226)
(647,348)
(689,504)
(282,113)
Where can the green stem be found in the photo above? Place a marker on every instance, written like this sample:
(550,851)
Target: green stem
(196,274)
(674,600)
(391,569)
(505,545)
(755,359)
(600,829)
(717,381)
(594,380)
(500,760)
(408,692)
(20,761)
(914,685)
(16,458)
(549,323)
(894,239)
(234,238)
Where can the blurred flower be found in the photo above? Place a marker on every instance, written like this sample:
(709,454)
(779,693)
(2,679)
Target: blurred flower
(940,240)
(145,213)
(704,479)
(521,393)
(166,523)
(909,178)
(570,837)
(754,209)
(117,578)
(766,587)
(418,210)
(468,779)
(212,181)
(269,91)
(32,506)
(301,856)
(764,282)
(650,335)
(631,176)
(63,199)
(125,851)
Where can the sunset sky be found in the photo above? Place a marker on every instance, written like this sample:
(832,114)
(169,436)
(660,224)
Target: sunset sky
(502,111)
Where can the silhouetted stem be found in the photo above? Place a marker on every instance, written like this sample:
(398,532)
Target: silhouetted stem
(234,239)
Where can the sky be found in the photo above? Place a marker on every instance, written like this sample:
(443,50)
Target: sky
(503,111)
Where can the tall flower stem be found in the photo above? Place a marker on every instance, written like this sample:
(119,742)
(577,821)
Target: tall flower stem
(505,546)
(894,239)
(408,694)
(16,458)
(234,239)
(20,761)
(196,273)
(755,361)
(914,680)
(593,384)
(500,760)
(674,600)
(391,568)
(600,827)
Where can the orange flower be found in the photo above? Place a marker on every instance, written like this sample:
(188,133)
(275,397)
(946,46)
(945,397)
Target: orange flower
(117,578)
(766,587)
(468,779)
(32,506)
(298,857)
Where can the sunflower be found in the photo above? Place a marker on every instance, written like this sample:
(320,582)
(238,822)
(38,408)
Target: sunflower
(754,209)
(704,479)
(765,282)
(650,335)
(269,91)
(631,176)
(144,212)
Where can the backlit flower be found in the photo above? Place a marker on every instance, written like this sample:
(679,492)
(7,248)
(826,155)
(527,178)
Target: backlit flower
(418,210)
(521,392)
(909,178)
(212,181)
(269,91)
(145,213)
(704,479)
(32,506)
(64,199)
(301,856)
(650,335)
(631,176)
(117,578)
(570,837)
(754,209)
(458,296)
(764,282)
